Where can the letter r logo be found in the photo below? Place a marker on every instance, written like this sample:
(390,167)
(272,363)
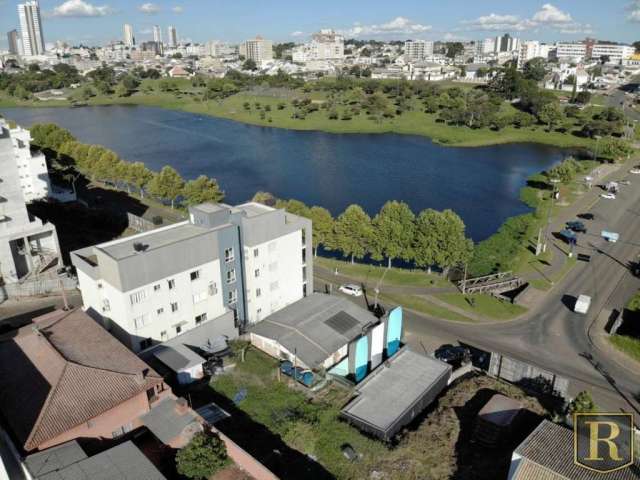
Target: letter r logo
(603,442)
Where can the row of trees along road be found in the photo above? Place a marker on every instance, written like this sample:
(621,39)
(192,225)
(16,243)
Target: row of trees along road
(99,163)
(431,238)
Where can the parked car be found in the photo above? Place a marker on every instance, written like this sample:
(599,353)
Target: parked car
(569,236)
(453,355)
(582,304)
(608,196)
(635,171)
(351,289)
(612,237)
(577,227)
(587,216)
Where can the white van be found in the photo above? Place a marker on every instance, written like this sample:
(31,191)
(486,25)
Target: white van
(582,304)
(351,289)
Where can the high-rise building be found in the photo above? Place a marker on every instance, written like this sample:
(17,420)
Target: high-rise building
(12,39)
(157,34)
(506,43)
(128,37)
(486,46)
(31,28)
(173,36)
(532,49)
(418,49)
(258,50)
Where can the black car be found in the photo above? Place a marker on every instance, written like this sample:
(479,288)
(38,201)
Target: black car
(453,355)
(586,216)
(577,227)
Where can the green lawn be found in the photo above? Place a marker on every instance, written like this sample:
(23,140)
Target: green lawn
(485,305)
(627,345)
(413,122)
(421,305)
(394,276)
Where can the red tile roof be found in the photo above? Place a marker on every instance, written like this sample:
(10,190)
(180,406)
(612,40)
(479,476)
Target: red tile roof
(62,371)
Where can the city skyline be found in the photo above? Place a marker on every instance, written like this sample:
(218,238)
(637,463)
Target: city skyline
(96,23)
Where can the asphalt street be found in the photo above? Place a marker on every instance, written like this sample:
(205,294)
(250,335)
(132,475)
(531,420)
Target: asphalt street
(551,335)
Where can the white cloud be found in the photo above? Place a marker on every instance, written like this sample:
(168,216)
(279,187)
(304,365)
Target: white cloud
(548,16)
(80,8)
(398,25)
(634,11)
(150,8)
(297,33)
(177,9)
(146,31)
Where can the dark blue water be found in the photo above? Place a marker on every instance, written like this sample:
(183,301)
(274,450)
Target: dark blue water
(481,184)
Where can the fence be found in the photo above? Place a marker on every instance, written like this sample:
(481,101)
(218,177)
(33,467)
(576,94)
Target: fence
(37,286)
(139,224)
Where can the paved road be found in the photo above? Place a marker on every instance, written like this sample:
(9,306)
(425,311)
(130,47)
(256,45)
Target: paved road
(618,97)
(551,335)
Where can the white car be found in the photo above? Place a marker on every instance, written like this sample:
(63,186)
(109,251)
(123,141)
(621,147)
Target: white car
(351,289)
(635,171)
(583,302)
(608,196)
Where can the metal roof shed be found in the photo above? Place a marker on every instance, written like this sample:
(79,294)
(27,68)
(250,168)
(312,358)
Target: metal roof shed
(396,392)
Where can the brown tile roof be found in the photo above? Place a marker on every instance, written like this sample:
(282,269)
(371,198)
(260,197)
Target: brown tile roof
(62,371)
(548,455)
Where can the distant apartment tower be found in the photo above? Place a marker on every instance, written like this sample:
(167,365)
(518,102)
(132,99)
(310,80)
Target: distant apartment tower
(225,263)
(571,51)
(506,43)
(532,49)
(258,50)
(615,53)
(157,34)
(486,46)
(418,49)
(31,28)
(327,45)
(12,40)
(128,37)
(173,36)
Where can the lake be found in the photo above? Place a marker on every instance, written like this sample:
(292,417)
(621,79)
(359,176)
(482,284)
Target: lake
(481,184)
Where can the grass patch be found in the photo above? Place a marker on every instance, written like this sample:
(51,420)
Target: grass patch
(628,345)
(545,284)
(485,305)
(395,276)
(421,305)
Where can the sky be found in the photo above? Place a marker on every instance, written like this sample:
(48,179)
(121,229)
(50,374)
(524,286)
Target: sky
(95,22)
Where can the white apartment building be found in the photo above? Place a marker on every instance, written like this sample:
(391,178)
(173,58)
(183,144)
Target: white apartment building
(172,36)
(31,29)
(128,38)
(532,49)
(486,46)
(616,53)
(259,50)
(324,45)
(246,262)
(571,52)
(418,49)
(157,34)
(33,176)
(27,245)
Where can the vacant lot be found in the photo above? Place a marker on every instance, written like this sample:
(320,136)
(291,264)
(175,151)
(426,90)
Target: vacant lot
(298,436)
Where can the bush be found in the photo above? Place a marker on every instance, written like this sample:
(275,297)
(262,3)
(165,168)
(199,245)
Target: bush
(202,457)
(583,403)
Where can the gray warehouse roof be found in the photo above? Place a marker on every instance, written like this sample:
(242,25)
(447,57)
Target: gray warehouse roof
(166,423)
(69,462)
(396,392)
(178,357)
(315,327)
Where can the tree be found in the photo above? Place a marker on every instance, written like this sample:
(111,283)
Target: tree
(564,171)
(523,119)
(353,232)
(205,454)
(265,198)
(583,97)
(201,190)
(167,184)
(139,175)
(551,114)
(249,64)
(583,403)
(614,148)
(636,45)
(535,69)
(393,231)
(322,230)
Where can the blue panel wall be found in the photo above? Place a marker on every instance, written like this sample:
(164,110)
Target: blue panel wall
(362,358)
(394,331)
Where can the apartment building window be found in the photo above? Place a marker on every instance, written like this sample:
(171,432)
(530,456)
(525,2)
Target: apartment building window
(228,255)
(304,274)
(233,296)
(174,307)
(141,321)
(201,318)
(231,275)
(171,283)
(156,287)
(160,311)
(304,255)
(164,336)
(123,429)
(273,286)
(256,252)
(195,275)
(137,297)
(178,329)
(257,273)
(258,292)
(213,289)
(106,306)
(200,296)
